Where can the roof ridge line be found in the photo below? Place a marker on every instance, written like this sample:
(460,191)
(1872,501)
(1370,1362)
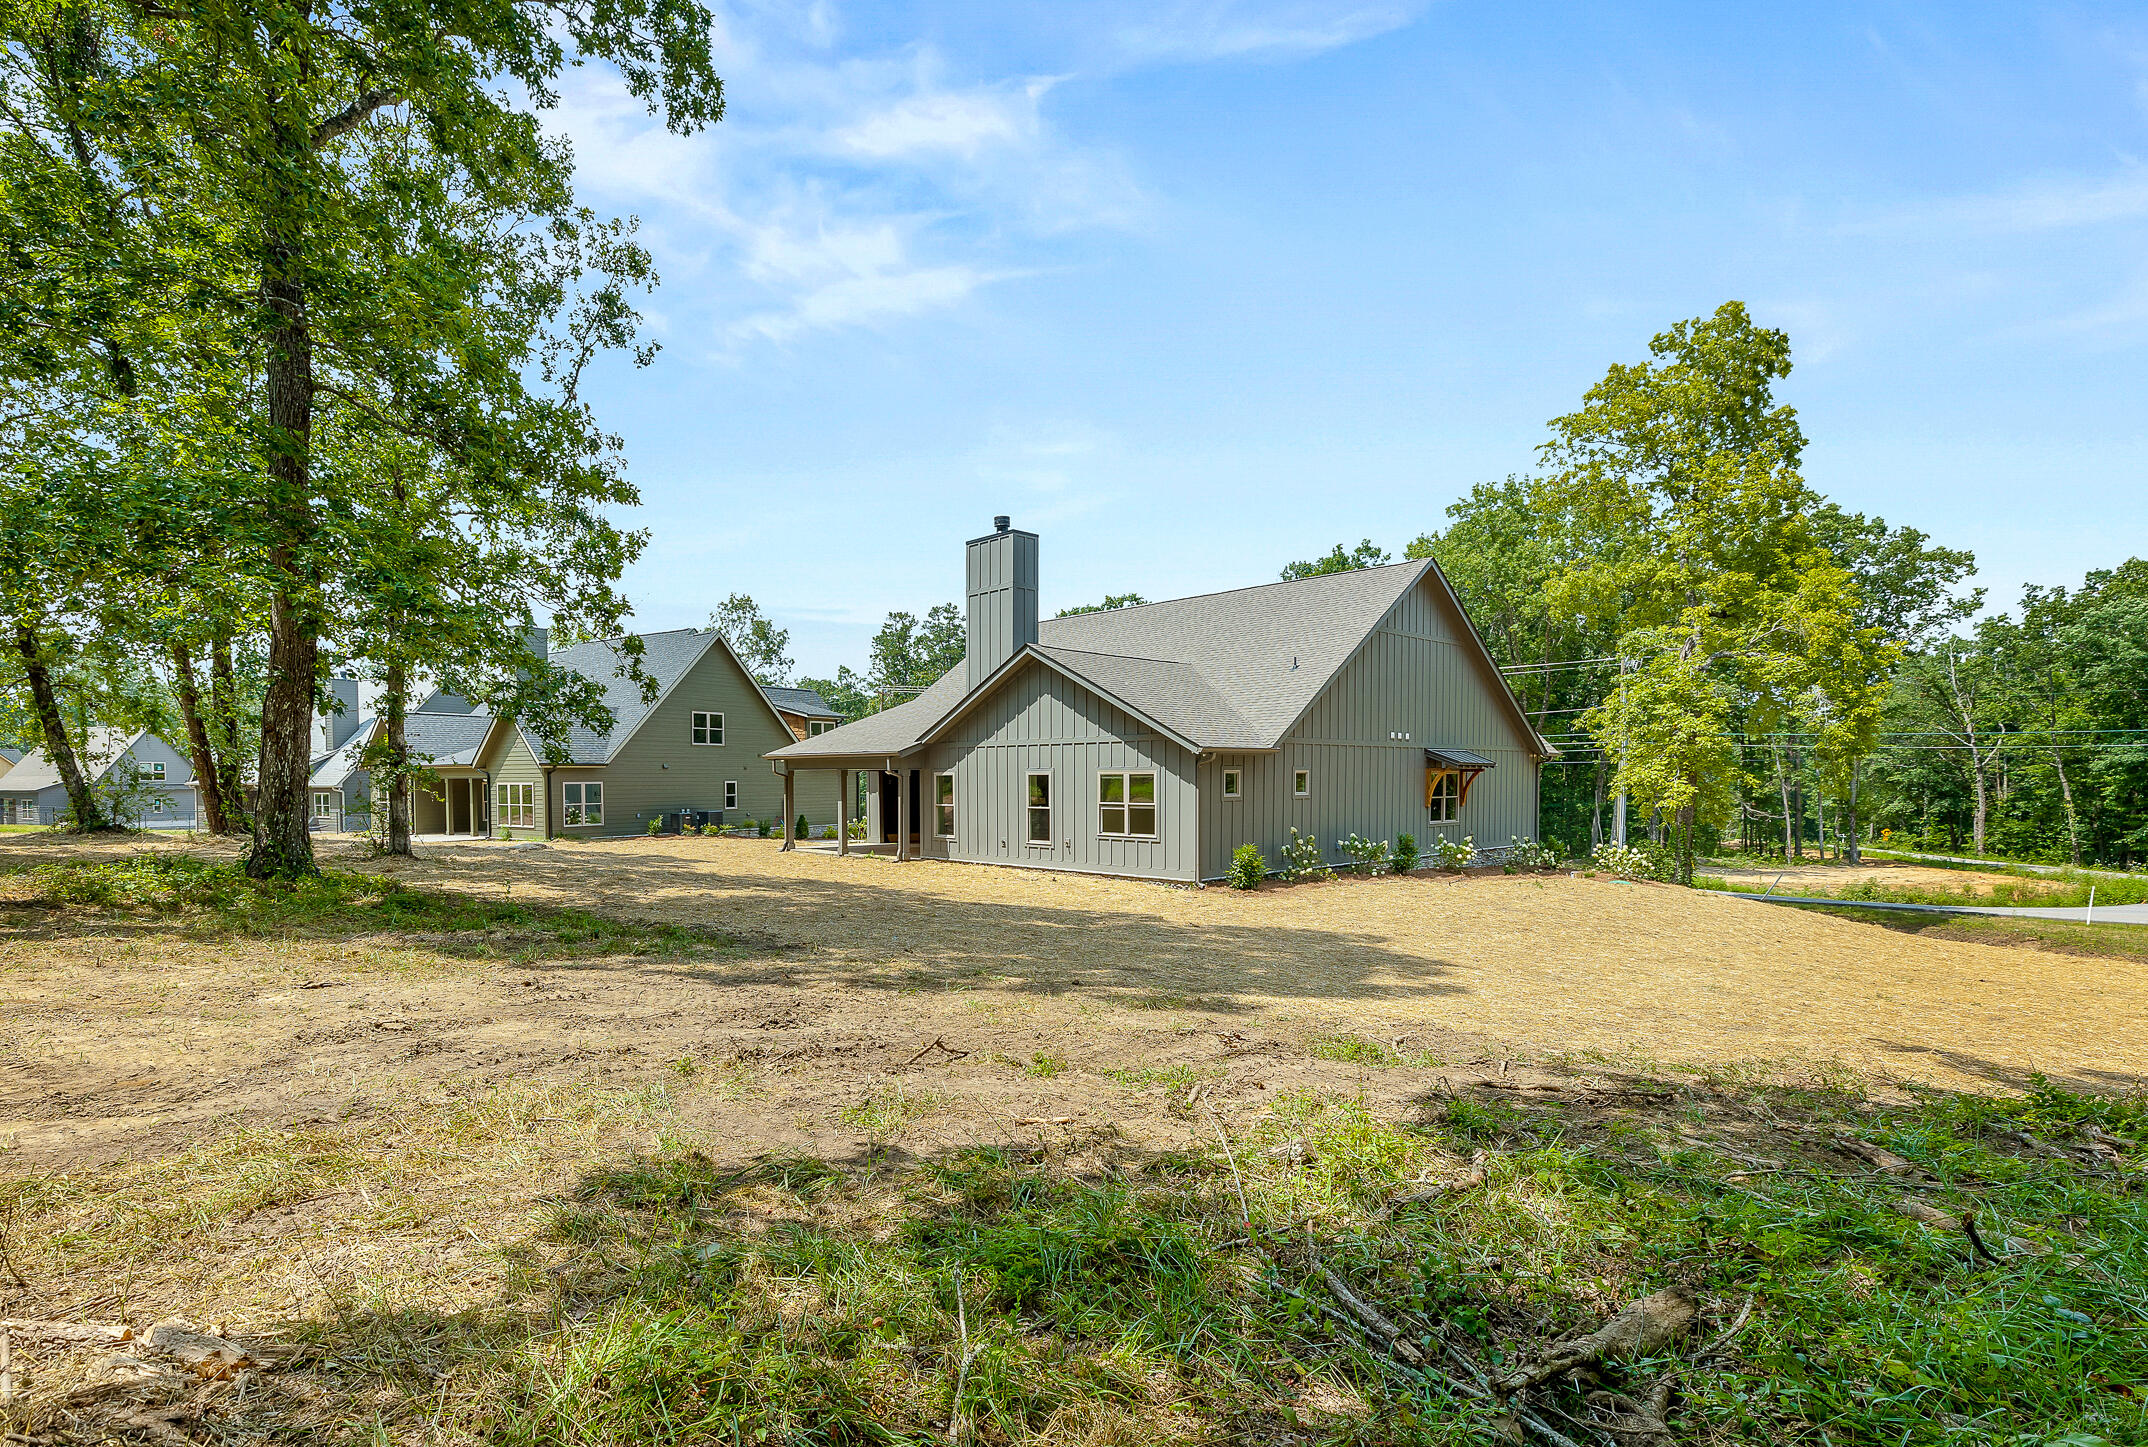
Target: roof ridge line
(1224,592)
(1100,653)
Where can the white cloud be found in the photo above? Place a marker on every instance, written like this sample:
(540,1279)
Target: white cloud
(2047,204)
(1231,30)
(961,123)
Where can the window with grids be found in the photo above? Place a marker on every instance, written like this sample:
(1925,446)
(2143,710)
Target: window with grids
(730,793)
(708,728)
(156,770)
(1126,805)
(1445,798)
(581,803)
(1040,808)
(324,805)
(943,806)
(518,806)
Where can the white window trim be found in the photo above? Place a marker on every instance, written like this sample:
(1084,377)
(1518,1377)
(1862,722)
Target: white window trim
(1301,783)
(156,770)
(585,785)
(730,794)
(949,806)
(1127,803)
(1234,783)
(515,805)
(1051,808)
(716,728)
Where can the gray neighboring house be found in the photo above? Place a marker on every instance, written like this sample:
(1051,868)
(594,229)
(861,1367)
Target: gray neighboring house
(1152,741)
(693,751)
(341,793)
(120,765)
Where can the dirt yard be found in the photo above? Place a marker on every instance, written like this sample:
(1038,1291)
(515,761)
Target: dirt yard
(934,1003)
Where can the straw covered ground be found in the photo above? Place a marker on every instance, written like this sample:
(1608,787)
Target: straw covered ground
(690,1141)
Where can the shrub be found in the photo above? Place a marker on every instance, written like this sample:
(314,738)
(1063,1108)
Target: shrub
(764,827)
(1528,854)
(801,830)
(857,827)
(1406,857)
(1454,853)
(828,833)
(1248,867)
(1301,857)
(1367,856)
(1626,861)
(656,825)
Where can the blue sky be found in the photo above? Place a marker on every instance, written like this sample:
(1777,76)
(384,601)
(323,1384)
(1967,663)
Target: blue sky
(1196,289)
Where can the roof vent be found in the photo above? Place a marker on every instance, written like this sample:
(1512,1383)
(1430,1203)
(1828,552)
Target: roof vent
(1001,523)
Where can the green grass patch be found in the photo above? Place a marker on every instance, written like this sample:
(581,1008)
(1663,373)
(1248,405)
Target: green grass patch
(1357,1050)
(1171,1077)
(215,899)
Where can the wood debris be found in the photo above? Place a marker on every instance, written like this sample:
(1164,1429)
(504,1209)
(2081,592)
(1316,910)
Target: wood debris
(1642,1329)
(1878,1157)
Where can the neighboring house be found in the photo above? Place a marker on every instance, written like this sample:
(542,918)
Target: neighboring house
(342,796)
(696,749)
(805,712)
(143,779)
(1154,740)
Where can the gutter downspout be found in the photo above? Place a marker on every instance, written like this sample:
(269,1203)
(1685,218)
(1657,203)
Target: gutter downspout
(548,801)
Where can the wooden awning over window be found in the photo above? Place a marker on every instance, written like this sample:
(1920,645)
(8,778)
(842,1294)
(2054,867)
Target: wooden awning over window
(1462,764)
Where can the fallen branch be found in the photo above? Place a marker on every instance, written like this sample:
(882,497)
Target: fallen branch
(1640,1330)
(1877,1156)
(1468,1181)
(1370,1318)
(935,1043)
(1930,1215)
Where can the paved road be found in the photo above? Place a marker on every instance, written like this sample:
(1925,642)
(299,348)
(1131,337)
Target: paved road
(2105,913)
(1999,863)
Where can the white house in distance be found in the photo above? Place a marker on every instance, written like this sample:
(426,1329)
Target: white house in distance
(150,782)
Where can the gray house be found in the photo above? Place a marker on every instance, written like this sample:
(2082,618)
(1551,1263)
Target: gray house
(1154,740)
(140,775)
(694,750)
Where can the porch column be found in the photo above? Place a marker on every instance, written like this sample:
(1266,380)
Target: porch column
(790,806)
(842,812)
(902,813)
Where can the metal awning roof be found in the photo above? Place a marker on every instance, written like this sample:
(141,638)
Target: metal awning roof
(1457,759)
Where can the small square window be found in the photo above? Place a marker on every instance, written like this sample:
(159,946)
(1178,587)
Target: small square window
(1301,783)
(708,728)
(1231,780)
(730,793)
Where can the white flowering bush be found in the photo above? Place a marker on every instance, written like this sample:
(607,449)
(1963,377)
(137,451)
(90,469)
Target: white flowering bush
(1625,861)
(1454,853)
(1367,856)
(1301,857)
(1529,854)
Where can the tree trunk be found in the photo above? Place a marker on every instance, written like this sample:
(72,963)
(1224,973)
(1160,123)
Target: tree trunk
(224,734)
(283,847)
(1854,852)
(1782,781)
(1976,817)
(397,835)
(1819,808)
(1683,834)
(2073,824)
(1596,815)
(58,747)
(197,738)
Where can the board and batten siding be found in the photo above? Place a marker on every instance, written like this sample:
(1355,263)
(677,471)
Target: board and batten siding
(1039,721)
(1417,675)
(661,769)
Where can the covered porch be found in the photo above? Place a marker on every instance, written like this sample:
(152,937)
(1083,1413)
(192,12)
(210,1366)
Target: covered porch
(893,789)
(458,806)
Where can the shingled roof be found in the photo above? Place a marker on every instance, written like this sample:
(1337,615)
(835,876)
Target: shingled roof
(805,702)
(1228,671)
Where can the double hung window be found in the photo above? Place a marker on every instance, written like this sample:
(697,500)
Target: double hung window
(1040,808)
(1126,805)
(730,793)
(708,728)
(1445,797)
(518,806)
(943,806)
(581,803)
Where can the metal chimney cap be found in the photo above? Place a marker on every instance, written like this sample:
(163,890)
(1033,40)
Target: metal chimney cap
(1001,523)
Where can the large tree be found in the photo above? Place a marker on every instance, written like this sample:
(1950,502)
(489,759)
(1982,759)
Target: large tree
(358,162)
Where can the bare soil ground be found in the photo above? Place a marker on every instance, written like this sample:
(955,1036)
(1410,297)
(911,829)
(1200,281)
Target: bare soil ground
(1058,1002)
